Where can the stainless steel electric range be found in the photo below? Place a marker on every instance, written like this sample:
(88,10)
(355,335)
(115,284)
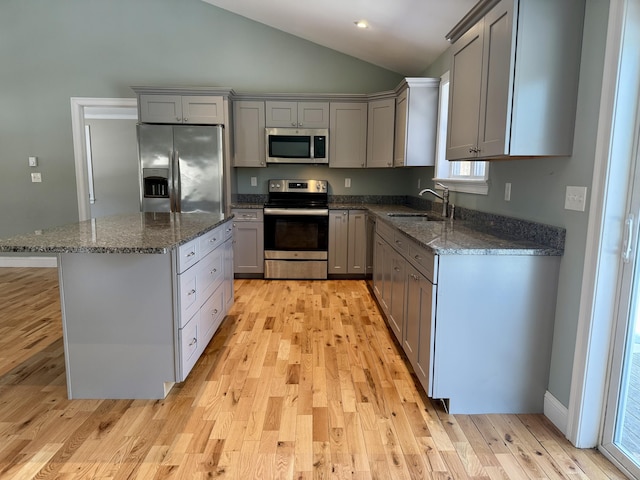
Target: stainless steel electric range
(296,229)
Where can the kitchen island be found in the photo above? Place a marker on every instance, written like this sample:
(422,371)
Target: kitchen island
(141,297)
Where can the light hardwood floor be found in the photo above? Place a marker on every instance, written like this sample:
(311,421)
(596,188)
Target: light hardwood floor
(302,381)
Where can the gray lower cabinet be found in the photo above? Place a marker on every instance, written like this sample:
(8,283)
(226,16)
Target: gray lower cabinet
(248,243)
(348,242)
(477,329)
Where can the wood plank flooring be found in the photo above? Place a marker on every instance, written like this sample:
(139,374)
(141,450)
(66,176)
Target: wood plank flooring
(302,381)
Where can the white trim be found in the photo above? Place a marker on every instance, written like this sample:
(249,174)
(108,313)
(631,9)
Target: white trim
(600,274)
(29,262)
(479,187)
(78,105)
(556,412)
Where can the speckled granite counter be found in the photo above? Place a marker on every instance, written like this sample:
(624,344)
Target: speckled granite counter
(132,233)
(458,237)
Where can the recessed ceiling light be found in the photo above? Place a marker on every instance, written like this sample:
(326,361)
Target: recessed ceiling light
(361,24)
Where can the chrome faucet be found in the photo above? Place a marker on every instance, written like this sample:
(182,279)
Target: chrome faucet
(444,197)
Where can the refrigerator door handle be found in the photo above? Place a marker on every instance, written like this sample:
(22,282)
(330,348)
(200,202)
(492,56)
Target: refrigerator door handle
(170,181)
(176,180)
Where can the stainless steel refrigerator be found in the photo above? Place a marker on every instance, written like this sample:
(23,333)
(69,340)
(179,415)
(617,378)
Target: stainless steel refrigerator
(181,168)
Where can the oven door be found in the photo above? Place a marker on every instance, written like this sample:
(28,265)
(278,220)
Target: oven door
(296,233)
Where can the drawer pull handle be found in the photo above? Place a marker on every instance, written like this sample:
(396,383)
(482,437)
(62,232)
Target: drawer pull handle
(213,271)
(418,257)
(414,277)
(396,269)
(212,240)
(191,292)
(191,254)
(193,342)
(215,312)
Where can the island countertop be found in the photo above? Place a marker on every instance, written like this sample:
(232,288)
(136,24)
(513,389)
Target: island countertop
(130,233)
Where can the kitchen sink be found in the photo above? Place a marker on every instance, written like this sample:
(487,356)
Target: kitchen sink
(417,215)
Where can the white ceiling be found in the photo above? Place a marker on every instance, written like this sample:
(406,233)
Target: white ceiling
(404,36)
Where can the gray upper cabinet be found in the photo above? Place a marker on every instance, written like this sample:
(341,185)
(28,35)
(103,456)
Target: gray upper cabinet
(380,132)
(348,135)
(297,114)
(416,121)
(248,134)
(190,109)
(514,80)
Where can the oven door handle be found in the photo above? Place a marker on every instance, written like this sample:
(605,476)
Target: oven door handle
(316,212)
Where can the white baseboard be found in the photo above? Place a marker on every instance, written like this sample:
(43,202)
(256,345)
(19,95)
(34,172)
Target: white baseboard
(28,262)
(556,412)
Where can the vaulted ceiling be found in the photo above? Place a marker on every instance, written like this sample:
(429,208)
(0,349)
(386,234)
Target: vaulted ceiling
(404,36)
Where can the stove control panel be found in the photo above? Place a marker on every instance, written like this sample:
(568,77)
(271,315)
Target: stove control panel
(298,186)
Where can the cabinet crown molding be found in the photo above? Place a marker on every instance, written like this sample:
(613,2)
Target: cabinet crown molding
(470,19)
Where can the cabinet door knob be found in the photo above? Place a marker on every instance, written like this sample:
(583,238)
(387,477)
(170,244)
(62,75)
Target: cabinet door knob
(293,124)
(185,119)
(178,119)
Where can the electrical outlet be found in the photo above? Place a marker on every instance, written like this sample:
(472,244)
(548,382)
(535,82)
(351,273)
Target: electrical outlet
(254,181)
(36,177)
(507,192)
(575,199)
(419,183)
(347,183)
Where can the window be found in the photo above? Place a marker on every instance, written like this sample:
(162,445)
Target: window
(468,177)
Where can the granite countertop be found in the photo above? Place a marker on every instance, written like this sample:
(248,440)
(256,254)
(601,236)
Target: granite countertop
(457,237)
(131,233)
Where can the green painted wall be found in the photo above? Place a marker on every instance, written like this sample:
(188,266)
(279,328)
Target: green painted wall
(51,51)
(538,190)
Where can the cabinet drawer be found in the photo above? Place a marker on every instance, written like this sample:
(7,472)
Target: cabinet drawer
(211,240)
(228,230)
(400,242)
(423,259)
(210,273)
(190,294)
(188,346)
(385,231)
(248,215)
(211,316)
(188,254)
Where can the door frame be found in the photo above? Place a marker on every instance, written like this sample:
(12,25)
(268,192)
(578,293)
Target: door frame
(78,106)
(599,293)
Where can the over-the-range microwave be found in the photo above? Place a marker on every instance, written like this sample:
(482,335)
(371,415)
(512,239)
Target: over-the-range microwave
(297,145)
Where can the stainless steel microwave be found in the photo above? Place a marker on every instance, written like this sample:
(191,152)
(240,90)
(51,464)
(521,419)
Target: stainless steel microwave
(297,145)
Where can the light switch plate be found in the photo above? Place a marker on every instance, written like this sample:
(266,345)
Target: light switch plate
(33,161)
(575,199)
